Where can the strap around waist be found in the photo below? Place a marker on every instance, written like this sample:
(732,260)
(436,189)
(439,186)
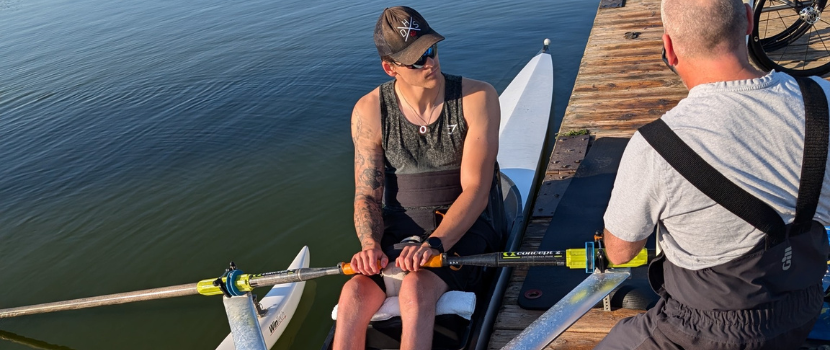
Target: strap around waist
(438,188)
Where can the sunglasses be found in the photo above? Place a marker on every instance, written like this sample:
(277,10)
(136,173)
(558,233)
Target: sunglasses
(666,61)
(430,53)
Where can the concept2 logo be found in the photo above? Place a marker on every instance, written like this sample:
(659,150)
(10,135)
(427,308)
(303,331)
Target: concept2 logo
(409,29)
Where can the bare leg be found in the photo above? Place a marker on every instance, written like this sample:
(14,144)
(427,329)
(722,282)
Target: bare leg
(359,300)
(419,293)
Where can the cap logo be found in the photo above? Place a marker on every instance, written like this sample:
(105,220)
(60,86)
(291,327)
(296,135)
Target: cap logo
(409,28)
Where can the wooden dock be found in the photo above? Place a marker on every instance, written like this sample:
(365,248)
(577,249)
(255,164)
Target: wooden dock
(622,84)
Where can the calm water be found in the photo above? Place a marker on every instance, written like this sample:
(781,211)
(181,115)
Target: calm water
(148,143)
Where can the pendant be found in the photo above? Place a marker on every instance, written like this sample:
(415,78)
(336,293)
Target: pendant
(422,129)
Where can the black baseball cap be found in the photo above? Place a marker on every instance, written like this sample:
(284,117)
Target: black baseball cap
(403,34)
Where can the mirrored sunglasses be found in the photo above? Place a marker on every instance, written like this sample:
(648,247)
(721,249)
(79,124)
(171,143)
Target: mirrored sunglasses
(430,53)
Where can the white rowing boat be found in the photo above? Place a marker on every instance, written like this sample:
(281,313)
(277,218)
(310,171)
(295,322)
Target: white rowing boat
(526,106)
(279,305)
(525,112)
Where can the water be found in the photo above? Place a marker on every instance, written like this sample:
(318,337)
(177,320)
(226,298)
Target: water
(146,144)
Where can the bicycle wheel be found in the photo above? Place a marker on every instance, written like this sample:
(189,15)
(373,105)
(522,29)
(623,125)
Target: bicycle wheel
(790,36)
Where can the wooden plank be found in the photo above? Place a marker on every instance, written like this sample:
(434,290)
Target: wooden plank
(593,326)
(596,320)
(576,341)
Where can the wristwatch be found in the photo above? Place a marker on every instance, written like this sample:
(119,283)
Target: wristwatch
(435,243)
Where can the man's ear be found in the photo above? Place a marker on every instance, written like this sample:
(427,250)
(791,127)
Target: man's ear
(750,19)
(387,67)
(671,56)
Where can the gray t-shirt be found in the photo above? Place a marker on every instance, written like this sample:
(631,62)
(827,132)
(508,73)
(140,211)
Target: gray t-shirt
(751,131)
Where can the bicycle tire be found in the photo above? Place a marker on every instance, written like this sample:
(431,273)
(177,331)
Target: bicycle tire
(784,40)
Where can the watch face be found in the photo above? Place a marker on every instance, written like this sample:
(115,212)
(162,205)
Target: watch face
(435,243)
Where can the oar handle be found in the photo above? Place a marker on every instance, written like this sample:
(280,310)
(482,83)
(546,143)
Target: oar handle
(435,261)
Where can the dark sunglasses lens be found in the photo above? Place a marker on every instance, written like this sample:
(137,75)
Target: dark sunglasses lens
(430,53)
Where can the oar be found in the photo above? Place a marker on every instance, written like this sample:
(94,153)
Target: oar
(243,282)
(573,258)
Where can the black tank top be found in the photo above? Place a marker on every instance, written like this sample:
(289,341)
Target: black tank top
(423,171)
(406,150)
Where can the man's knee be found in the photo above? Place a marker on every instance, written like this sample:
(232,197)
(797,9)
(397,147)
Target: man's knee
(421,289)
(359,290)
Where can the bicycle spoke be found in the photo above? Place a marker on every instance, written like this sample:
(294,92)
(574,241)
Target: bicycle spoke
(823,44)
(792,38)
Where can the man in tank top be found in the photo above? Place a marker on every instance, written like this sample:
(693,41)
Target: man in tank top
(735,179)
(425,154)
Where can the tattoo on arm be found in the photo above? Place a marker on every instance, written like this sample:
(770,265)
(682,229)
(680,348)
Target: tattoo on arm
(368,186)
(368,222)
(372,178)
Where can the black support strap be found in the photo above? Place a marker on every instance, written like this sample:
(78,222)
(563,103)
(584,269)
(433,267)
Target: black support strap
(815,153)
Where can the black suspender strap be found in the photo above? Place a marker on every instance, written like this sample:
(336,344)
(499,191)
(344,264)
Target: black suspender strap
(713,184)
(815,153)
(739,202)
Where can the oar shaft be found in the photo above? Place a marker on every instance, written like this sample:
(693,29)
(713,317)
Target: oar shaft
(111,299)
(545,258)
(260,280)
(289,276)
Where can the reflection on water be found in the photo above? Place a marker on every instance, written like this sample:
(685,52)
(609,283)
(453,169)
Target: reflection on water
(28,342)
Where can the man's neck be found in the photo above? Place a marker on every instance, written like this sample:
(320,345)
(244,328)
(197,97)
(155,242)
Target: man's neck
(421,98)
(724,68)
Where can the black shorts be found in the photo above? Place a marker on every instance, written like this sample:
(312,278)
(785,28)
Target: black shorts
(479,239)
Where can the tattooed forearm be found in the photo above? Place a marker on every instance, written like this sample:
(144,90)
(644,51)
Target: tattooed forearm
(359,159)
(368,222)
(367,207)
(368,165)
(372,178)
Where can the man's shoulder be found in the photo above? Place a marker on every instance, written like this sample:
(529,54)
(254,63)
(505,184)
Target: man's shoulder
(473,86)
(368,102)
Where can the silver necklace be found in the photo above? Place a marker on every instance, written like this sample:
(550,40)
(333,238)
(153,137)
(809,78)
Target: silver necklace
(423,129)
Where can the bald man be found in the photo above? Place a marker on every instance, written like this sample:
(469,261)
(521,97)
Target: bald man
(737,193)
